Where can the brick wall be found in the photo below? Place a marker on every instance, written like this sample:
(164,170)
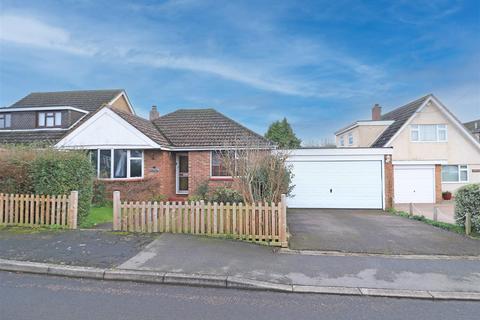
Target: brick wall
(388,182)
(438,183)
(159,179)
(199,172)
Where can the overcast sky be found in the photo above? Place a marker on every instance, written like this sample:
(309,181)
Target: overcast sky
(321,64)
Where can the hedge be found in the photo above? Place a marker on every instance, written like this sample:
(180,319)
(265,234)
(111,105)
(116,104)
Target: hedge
(467,199)
(48,171)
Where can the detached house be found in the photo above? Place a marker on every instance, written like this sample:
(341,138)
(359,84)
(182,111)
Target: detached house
(169,155)
(432,149)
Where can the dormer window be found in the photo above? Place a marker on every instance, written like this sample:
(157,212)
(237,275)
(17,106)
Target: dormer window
(50,119)
(5,120)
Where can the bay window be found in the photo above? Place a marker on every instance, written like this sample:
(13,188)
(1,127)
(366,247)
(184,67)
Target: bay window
(117,163)
(455,173)
(428,132)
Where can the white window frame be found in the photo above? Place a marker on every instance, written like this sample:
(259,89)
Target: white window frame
(3,120)
(56,115)
(350,138)
(417,128)
(211,164)
(112,164)
(342,140)
(461,167)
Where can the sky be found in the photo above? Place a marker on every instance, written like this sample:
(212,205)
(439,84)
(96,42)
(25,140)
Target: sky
(320,64)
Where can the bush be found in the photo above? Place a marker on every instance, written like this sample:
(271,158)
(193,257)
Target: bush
(15,170)
(222,194)
(59,172)
(467,199)
(99,194)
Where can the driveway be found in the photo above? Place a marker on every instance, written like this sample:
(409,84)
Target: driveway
(372,231)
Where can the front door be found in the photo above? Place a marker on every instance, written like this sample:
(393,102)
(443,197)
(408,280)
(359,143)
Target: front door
(182,173)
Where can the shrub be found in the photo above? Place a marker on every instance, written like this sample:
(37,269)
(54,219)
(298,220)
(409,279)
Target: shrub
(222,194)
(15,170)
(59,172)
(467,199)
(99,194)
(202,190)
(159,198)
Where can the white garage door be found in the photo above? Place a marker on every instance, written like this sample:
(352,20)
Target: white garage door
(337,184)
(414,184)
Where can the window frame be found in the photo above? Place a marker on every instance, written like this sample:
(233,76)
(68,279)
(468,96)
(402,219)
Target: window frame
(228,177)
(3,119)
(438,128)
(342,141)
(112,163)
(49,115)
(350,139)
(460,168)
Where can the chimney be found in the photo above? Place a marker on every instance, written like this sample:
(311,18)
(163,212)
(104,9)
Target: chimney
(154,113)
(376,112)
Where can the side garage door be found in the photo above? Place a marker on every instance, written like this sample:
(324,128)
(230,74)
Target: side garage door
(337,184)
(414,184)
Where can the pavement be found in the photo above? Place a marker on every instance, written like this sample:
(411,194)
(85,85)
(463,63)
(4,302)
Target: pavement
(95,248)
(26,296)
(194,260)
(372,231)
(201,255)
(445,210)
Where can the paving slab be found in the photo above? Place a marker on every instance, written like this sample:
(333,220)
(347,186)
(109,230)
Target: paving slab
(207,256)
(373,231)
(95,248)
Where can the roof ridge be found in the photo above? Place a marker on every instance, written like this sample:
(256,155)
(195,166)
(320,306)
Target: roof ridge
(70,91)
(409,104)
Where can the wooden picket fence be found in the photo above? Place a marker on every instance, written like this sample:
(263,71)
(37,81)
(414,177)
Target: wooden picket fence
(262,222)
(39,210)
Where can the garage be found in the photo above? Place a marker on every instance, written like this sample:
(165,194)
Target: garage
(338,178)
(414,183)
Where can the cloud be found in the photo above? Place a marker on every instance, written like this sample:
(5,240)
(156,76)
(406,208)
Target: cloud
(30,31)
(293,66)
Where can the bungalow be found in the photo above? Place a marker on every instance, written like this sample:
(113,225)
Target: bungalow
(169,155)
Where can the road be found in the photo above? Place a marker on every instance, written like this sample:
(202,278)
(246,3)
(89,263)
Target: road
(25,296)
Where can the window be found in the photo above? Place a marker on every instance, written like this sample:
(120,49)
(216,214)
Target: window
(350,139)
(455,173)
(123,164)
(225,162)
(342,141)
(5,120)
(428,132)
(49,119)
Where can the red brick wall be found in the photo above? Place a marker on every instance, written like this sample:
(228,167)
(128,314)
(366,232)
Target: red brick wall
(438,183)
(159,178)
(199,172)
(388,182)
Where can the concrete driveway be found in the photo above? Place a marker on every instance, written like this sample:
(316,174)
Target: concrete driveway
(372,231)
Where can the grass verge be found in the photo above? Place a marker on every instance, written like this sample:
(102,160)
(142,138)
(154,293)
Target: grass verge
(96,216)
(443,225)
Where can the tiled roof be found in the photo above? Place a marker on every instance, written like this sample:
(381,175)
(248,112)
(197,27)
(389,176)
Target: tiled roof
(206,128)
(145,126)
(89,100)
(400,116)
(473,126)
(36,136)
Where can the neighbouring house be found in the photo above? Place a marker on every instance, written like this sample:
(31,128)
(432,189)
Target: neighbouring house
(170,155)
(432,149)
(474,128)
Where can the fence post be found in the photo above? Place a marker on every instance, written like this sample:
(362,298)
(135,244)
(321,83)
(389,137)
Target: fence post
(73,209)
(116,210)
(410,209)
(435,213)
(468,223)
(283,222)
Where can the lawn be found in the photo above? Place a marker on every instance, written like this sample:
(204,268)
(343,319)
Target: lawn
(97,215)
